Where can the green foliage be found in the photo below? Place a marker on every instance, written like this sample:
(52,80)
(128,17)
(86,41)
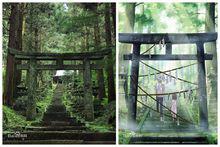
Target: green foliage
(212,137)
(124,136)
(13,121)
(145,19)
(71,105)
(106,122)
(98,127)
(104,102)
(100,124)
(44,103)
(21,103)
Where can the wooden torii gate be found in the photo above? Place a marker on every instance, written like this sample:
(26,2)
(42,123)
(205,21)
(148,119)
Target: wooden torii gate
(169,38)
(33,66)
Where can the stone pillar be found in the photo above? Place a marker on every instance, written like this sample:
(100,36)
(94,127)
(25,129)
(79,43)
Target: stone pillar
(132,100)
(32,83)
(202,94)
(88,99)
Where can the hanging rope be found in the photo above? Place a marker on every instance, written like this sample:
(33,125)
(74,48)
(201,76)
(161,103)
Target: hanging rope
(168,74)
(169,70)
(162,104)
(148,49)
(161,41)
(154,109)
(169,93)
(177,92)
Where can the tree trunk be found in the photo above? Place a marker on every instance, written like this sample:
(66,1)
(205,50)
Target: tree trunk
(87,39)
(30,47)
(97,42)
(9,84)
(211,67)
(140,24)
(110,62)
(101,84)
(129,28)
(19,42)
(36,43)
(113,12)
(130,17)
(126,48)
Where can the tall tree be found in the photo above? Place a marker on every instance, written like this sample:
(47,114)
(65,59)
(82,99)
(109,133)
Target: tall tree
(129,21)
(19,40)
(128,28)
(113,14)
(13,34)
(97,42)
(211,65)
(110,62)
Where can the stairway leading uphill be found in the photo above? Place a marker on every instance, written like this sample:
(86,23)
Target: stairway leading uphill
(167,131)
(58,127)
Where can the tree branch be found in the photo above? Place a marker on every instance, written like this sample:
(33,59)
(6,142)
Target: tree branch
(138,4)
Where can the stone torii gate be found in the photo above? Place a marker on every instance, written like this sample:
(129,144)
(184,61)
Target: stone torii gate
(32,66)
(169,38)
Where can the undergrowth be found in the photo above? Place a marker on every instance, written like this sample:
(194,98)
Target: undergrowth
(13,120)
(100,124)
(44,103)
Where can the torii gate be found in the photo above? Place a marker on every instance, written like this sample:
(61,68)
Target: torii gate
(169,38)
(32,66)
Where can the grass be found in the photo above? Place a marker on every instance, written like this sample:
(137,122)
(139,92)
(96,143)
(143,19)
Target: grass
(44,103)
(13,121)
(125,135)
(98,125)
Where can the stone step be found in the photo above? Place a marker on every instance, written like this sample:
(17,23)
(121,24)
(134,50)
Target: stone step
(168,140)
(56,142)
(168,130)
(168,125)
(56,108)
(62,135)
(99,142)
(56,123)
(48,116)
(62,123)
(57,102)
(55,128)
(43,142)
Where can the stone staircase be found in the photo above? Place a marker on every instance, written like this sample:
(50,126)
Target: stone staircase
(155,131)
(58,127)
(153,124)
(56,114)
(169,140)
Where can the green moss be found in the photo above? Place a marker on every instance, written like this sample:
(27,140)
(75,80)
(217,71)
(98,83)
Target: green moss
(100,124)
(212,137)
(125,136)
(44,103)
(98,128)
(12,120)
